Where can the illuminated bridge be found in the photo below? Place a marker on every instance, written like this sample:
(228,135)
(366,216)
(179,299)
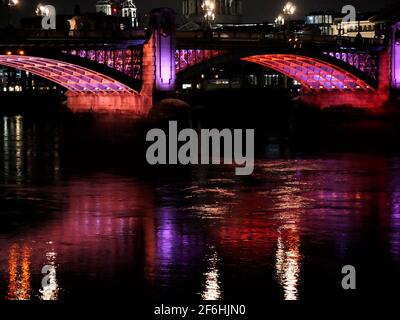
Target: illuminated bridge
(126,71)
(332,70)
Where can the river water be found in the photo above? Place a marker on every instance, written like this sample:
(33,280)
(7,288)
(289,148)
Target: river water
(114,228)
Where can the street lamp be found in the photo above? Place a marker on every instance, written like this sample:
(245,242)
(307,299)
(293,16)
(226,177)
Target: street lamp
(208,7)
(280,20)
(10,4)
(288,10)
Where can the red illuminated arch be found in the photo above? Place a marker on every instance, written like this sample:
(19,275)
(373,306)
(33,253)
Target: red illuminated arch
(312,73)
(73,77)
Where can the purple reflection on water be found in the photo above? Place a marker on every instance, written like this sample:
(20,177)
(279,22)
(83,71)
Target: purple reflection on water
(165,236)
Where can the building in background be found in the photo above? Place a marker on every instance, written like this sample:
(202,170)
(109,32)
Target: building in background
(320,20)
(125,8)
(104,6)
(226,11)
(17,81)
(330,23)
(129,11)
(365,24)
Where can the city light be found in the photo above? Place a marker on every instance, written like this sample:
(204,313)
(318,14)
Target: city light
(289,8)
(208,7)
(9,4)
(42,10)
(12,3)
(280,20)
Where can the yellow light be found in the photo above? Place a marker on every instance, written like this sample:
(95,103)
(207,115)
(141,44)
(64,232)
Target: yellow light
(21,52)
(9,53)
(289,8)
(280,20)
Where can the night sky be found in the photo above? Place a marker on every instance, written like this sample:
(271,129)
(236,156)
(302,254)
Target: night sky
(254,10)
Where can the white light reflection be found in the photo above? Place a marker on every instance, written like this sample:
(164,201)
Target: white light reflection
(6,152)
(212,289)
(288,262)
(50,292)
(19,146)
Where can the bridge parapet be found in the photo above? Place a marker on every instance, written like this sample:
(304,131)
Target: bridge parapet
(63,36)
(236,38)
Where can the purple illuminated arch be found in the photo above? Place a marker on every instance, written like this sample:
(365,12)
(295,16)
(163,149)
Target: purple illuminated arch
(313,74)
(73,77)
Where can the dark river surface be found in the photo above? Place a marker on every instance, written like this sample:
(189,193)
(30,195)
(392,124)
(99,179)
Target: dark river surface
(113,227)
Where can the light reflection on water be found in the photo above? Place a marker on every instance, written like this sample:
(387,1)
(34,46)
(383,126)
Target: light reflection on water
(288,262)
(50,289)
(19,285)
(207,235)
(212,290)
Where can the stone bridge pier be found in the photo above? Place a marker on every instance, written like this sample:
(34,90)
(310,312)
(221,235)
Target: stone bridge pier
(134,103)
(158,74)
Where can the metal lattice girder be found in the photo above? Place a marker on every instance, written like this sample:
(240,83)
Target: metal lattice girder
(312,73)
(127,61)
(185,58)
(365,62)
(73,77)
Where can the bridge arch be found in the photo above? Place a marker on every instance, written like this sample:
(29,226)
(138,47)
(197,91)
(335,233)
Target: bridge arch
(326,81)
(74,78)
(316,72)
(87,90)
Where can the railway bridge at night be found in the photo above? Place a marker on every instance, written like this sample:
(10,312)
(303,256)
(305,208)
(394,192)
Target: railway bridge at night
(127,70)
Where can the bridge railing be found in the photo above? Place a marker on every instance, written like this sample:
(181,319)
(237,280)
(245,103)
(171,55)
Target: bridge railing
(340,39)
(72,34)
(220,35)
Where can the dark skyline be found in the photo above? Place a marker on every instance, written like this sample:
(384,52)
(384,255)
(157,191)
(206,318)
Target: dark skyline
(254,10)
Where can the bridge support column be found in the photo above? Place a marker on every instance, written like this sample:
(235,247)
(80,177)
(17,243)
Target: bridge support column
(134,104)
(395,46)
(163,28)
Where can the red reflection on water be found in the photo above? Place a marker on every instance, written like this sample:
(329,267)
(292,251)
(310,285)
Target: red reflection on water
(102,227)
(19,287)
(112,231)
